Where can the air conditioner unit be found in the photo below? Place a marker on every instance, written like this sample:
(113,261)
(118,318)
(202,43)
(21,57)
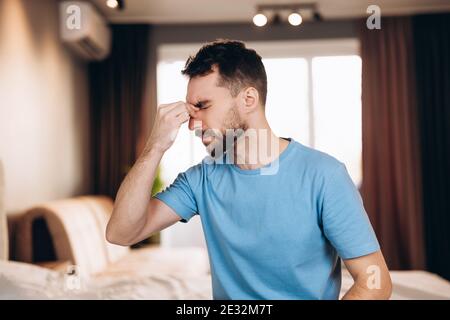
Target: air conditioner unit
(84,30)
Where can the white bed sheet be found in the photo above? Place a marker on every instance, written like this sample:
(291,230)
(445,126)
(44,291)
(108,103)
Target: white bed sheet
(26,281)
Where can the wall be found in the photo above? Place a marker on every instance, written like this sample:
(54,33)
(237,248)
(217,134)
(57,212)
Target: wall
(43,107)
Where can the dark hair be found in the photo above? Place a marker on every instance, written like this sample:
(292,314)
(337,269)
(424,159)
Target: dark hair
(238,66)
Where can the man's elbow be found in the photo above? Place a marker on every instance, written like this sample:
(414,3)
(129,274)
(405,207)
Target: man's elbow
(366,289)
(113,237)
(385,291)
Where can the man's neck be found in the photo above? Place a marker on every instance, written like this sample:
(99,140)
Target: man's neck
(258,147)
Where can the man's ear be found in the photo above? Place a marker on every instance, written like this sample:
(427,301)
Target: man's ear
(250,97)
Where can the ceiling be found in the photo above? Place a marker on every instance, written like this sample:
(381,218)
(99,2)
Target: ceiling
(227,11)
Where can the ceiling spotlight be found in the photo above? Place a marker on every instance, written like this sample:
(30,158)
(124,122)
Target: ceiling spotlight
(260,20)
(116,4)
(295,19)
(112,3)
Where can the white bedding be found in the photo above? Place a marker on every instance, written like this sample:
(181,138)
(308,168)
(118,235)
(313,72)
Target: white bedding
(25,281)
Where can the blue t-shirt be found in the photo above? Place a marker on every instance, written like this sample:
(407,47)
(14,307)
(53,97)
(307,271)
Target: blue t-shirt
(279,235)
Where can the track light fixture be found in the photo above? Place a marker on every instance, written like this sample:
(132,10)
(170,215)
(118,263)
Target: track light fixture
(295,13)
(295,19)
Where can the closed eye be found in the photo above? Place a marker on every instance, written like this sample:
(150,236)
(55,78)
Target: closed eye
(203,104)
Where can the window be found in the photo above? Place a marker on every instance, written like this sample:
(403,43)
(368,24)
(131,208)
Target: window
(337,125)
(287,105)
(317,101)
(314,96)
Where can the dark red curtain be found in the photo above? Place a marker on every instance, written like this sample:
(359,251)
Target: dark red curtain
(117,87)
(391,186)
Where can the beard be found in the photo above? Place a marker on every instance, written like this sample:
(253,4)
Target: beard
(219,142)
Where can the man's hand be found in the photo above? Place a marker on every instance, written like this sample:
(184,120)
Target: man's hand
(169,118)
(136,214)
(371,276)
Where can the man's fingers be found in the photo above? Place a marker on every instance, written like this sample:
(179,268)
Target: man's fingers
(166,108)
(192,109)
(183,117)
(179,111)
(175,112)
(183,107)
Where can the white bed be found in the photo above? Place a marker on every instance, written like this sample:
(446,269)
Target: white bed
(26,281)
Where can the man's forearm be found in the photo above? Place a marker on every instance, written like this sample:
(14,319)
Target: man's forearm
(361,292)
(130,211)
(132,200)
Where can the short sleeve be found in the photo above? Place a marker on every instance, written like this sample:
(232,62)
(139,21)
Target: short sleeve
(180,196)
(344,219)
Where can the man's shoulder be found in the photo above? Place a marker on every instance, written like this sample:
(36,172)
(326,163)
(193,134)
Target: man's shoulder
(315,159)
(205,166)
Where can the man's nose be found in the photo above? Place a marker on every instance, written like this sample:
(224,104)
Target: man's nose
(195,123)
